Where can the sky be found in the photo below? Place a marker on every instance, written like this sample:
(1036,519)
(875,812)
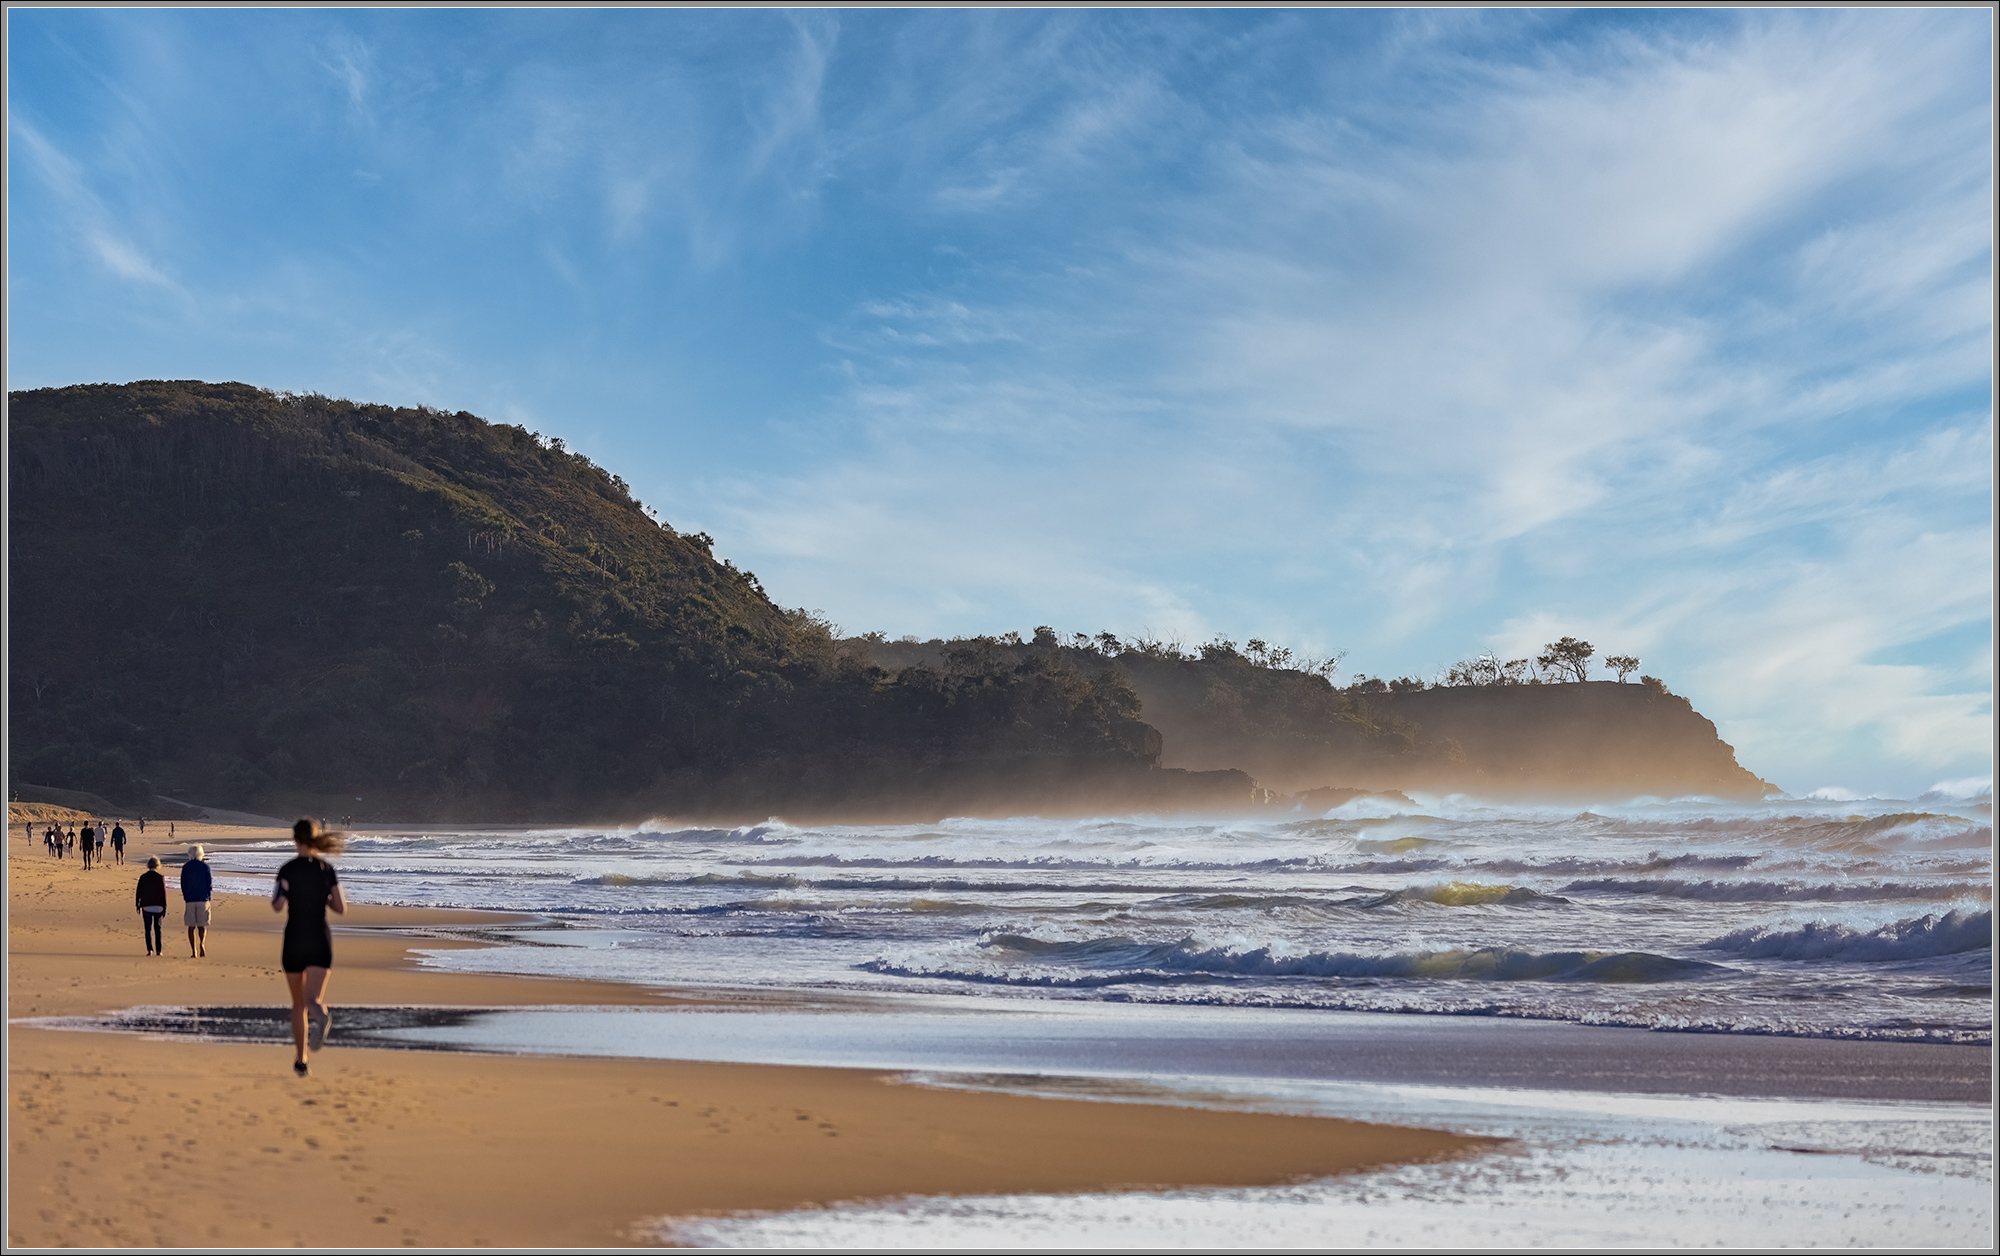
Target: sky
(1397,335)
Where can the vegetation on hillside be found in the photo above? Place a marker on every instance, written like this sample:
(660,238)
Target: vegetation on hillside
(263,599)
(1215,695)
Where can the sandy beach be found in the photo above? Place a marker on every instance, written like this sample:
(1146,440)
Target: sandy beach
(122,1140)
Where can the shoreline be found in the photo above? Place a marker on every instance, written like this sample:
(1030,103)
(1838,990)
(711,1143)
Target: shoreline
(433,1148)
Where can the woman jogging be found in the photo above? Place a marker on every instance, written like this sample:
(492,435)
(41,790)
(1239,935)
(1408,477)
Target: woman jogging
(309,887)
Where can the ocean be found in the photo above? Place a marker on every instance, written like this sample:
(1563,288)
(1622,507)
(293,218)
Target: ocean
(1818,976)
(1850,920)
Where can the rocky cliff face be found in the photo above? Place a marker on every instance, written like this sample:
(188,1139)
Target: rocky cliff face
(1578,740)
(1564,742)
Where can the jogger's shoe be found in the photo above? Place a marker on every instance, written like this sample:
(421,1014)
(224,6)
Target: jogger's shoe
(317,1021)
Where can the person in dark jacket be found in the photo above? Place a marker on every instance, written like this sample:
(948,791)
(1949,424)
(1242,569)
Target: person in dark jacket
(197,887)
(118,843)
(152,906)
(86,842)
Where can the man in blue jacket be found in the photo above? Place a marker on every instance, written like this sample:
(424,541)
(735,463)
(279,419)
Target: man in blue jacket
(197,886)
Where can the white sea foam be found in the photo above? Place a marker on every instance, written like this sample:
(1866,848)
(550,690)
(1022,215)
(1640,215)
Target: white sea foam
(1583,1170)
(1618,914)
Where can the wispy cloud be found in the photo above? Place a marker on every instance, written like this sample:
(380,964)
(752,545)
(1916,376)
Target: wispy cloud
(1574,338)
(105,239)
(348,60)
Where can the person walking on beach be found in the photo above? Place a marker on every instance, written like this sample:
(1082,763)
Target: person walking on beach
(197,885)
(152,898)
(88,836)
(309,887)
(142,826)
(118,844)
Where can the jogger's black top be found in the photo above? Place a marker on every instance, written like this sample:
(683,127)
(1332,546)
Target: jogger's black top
(307,883)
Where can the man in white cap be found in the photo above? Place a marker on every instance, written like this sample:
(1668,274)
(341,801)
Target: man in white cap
(197,887)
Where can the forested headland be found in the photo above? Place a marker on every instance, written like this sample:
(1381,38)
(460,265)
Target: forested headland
(1485,730)
(265,600)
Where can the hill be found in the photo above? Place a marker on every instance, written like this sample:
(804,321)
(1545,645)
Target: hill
(299,603)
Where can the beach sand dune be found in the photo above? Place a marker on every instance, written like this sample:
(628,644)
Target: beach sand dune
(120,1140)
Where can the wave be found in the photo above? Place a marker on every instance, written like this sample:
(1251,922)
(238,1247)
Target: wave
(1895,828)
(1230,902)
(1123,959)
(1920,938)
(754,835)
(462,871)
(613,880)
(1398,846)
(1775,891)
(1573,865)
(1052,863)
(1906,828)
(1464,894)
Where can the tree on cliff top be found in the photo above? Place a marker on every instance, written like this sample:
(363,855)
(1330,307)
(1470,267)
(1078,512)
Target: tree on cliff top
(1567,658)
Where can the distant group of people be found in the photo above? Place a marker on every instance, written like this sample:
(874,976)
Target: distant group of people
(92,841)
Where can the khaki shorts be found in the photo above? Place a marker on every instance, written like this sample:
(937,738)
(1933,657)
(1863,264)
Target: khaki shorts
(197,915)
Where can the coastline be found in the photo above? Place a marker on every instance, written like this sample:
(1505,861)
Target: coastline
(211,1142)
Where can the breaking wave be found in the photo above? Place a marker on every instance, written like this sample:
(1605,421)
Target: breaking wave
(1920,938)
(1775,891)
(1120,959)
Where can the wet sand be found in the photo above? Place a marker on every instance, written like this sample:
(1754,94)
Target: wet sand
(119,1140)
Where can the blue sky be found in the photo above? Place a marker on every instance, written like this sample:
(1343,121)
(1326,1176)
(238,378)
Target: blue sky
(1404,333)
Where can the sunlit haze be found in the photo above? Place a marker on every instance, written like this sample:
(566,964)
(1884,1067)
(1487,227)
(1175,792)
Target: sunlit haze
(1404,334)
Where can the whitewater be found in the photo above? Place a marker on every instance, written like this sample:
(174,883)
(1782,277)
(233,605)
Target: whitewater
(1816,977)
(1867,920)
